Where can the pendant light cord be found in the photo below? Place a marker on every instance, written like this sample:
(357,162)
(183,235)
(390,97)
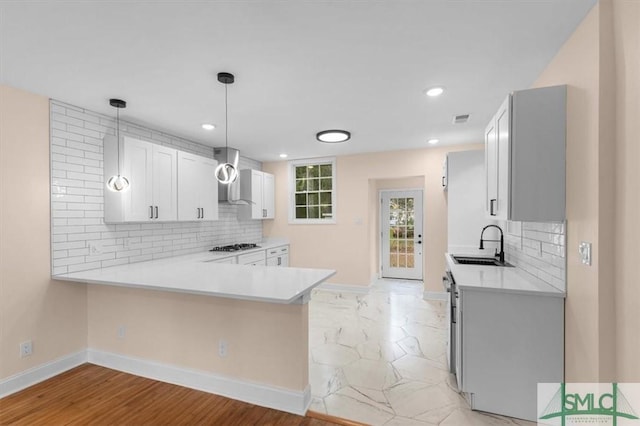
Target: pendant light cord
(118,136)
(226,122)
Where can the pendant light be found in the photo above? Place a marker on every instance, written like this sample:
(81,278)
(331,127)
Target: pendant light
(226,173)
(118,183)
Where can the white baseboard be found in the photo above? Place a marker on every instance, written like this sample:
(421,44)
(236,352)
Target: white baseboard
(296,402)
(40,373)
(435,295)
(347,288)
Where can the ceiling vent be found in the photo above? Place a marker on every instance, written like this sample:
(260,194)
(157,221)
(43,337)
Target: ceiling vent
(460,119)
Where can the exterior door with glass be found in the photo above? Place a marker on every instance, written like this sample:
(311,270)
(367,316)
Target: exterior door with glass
(401,215)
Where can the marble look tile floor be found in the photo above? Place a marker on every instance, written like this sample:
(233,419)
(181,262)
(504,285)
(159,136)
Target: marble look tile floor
(379,358)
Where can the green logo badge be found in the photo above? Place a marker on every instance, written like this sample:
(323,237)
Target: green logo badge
(588,403)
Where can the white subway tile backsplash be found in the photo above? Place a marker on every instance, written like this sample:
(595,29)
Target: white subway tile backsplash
(539,249)
(77,203)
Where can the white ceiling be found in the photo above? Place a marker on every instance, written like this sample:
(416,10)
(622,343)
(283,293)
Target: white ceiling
(300,66)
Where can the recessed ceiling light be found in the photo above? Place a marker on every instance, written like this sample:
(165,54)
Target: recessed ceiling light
(435,91)
(208,126)
(433,141)
(333,136)
(283,155)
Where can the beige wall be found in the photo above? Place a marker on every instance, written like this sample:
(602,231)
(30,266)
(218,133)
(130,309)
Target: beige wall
(600,64)
(32,307)
(267,343)
(626,18)
(346,246)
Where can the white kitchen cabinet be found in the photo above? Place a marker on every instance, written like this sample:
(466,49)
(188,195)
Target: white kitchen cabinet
(278,256)
(259,188)
(255,259)
(445,173)
(197,188)
(506,344)
(152,173)
(232,260)
(525,157)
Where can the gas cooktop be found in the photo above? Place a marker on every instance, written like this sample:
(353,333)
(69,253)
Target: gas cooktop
(235,247)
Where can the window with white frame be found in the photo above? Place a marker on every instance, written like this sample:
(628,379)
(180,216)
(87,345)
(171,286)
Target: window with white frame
(312,191)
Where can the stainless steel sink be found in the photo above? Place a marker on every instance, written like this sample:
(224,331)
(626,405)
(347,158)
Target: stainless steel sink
(484,261)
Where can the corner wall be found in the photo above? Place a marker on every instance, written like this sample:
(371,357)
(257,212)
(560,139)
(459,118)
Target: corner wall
(626,20)
(52,314)
(346,245)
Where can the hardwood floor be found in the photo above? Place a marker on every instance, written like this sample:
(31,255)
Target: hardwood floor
(93,395)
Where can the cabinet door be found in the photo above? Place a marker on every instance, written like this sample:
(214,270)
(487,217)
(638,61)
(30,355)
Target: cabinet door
(165,183)
(138,168)
(208,189)
(256,194)
(284,260)
(273,261)
(503,131)
(188,173)
(268,195)
(491,169)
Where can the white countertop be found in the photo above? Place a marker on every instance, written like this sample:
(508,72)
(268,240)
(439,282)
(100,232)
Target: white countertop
(194,275)
(499,278)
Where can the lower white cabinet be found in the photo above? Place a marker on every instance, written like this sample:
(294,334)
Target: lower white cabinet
(230,260)
(255,258)
(197,188)
(278,256)
(506,344)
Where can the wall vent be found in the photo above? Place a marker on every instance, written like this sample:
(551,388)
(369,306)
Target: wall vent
(460,119)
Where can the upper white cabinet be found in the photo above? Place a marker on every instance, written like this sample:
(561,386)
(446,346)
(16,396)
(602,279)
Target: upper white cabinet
(525,157)
(258,188)
(152,173)
(445,173)
(197,188)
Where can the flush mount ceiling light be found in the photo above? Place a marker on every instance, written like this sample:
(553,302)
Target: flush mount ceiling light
(433,141)
(333,136)
(283,155)
(208,126)
(434,91)
(226,173)
(118,183)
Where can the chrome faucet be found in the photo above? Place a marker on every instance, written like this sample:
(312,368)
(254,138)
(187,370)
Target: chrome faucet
(499,255)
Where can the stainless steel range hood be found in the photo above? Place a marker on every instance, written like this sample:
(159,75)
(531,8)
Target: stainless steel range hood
(229,193)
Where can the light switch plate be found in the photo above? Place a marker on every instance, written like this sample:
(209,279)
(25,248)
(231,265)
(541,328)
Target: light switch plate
(584,250)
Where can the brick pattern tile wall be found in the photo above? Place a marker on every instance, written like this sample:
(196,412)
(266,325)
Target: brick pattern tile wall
(80,239)
(539,249)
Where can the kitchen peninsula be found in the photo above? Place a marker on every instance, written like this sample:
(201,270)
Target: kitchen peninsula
(233,330)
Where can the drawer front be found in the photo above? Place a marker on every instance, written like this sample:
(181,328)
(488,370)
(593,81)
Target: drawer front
(250,258)
(231,260)
(277,251)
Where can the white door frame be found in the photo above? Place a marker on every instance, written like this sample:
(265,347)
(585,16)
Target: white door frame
(381,225)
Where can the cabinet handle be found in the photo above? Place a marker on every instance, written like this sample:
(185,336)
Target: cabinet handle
(493,200)
(453,314)
(279,261)
(202,208)
(284,249)
(150,212)
(198,208)
(156,212)
(442,180)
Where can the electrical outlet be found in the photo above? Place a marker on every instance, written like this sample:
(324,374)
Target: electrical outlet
(26,348)
(95,248)
(223,348)
(584,250)
(122,331)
